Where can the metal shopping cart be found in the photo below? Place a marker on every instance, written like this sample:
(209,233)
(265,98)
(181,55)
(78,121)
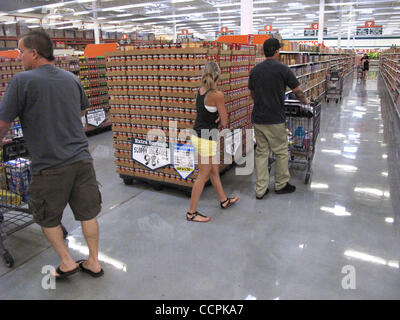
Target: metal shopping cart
(302,124)
(359,73)
(334,84)
(15,177)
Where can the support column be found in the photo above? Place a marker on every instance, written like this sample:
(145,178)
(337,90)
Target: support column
(96,23)
(339,41)
(174,30)
(321,21)
(219,19)
(246,17)
(350,26)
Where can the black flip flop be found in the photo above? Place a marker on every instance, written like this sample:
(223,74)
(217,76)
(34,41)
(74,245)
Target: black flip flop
(65,274)
(93,274)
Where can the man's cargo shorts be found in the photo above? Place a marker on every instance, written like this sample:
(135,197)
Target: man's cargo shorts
(53,189)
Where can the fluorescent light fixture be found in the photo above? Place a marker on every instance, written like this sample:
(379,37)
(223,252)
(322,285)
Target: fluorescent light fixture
(82,13)
(275,14)
(26,10)
(222,5)
(180,1)
(139,5)
(63,22)
(124,15)
(32,20)
(55,5)
(187,8)
(68,27)
(9,22)
(55,16)
(34,26)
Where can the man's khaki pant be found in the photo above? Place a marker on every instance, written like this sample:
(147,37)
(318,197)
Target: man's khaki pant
(271,137)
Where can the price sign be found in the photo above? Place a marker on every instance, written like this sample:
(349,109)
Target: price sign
(96,117)
(184,159)
(153,155)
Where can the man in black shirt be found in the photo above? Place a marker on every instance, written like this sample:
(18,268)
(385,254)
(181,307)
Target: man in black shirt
(267,82)
(365,66)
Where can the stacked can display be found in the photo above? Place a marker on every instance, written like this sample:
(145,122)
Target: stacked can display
(93,79)
(155,88)
(9,67)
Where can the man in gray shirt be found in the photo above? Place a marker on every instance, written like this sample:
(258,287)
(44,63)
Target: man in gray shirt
(49,103)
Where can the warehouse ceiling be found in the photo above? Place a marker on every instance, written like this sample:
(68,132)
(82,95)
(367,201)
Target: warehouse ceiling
(201,17)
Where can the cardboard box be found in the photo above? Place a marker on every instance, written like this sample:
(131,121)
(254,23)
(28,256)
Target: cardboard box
(18,175)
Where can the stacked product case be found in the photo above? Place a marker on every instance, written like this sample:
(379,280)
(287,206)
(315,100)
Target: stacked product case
(389,66)
(9,67)
(151,86)
(93,79)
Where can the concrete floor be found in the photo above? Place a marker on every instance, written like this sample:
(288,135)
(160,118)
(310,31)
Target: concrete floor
(283,247)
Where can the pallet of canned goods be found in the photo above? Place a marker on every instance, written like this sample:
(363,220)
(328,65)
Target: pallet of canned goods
(15,177)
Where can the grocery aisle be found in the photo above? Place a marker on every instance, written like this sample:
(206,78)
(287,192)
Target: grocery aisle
(283,247)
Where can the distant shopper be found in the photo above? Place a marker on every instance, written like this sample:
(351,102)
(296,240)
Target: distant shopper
(211,112)
(365,65)
(267,82)
(49,103)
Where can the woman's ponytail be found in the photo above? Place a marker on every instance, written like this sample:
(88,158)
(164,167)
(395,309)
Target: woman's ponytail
(211,73)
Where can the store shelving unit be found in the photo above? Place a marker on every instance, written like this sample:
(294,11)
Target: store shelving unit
(156,88)
(310,66)
(389,66)
(93,79)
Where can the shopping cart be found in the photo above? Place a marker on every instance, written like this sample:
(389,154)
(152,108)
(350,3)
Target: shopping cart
(302,124)
(15,177)
(334,84)
(359,73)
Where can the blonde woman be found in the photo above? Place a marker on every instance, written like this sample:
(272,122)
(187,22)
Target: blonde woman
(211,112)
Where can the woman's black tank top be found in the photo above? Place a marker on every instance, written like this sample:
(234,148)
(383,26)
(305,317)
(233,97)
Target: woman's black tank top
(204,119)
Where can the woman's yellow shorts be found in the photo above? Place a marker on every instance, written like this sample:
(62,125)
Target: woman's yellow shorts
(205,148)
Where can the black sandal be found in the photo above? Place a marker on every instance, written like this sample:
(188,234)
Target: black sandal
(230,203)
(65,274)
(194,215)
